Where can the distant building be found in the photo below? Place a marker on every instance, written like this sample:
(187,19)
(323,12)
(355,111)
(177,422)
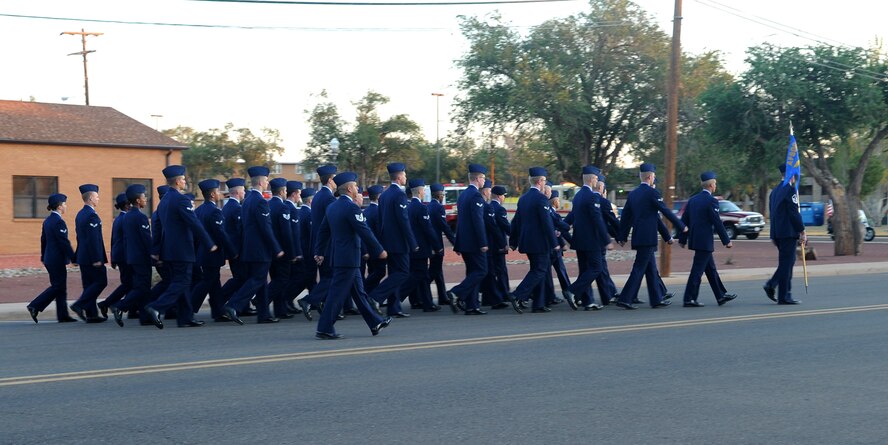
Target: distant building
(294,171)
(54,148)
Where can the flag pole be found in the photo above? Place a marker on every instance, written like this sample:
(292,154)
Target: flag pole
(799,207)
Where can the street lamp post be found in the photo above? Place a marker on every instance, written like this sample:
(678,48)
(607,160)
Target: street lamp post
(334,148)
(437,136)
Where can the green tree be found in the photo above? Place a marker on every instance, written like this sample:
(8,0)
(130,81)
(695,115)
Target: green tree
(226,152)
(835,98)
(324,124)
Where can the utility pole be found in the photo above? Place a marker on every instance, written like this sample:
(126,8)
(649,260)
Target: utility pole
(437,136)
(671,131)
(83,53)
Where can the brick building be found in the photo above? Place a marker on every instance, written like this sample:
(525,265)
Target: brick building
(49,148)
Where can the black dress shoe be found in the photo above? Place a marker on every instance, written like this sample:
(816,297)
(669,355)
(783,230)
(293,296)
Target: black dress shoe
(475,312)
(232,314)
(541,310)
(340,316)
(268,320)
(68,320)
(154,316)
(118,316)
(663,303)
(592,307)
(79,311)
(432,309)
(790,301)
(625,306)
(33,311)
(400,315)
(352,311)
(615,298)
(453,302)
(514,303)
(668,296)
(94,320)
(555,301)
(569,296)
(692,303)
(521,305)
(375,330)
(192,324)
(326,336)
(502,305)
(103,308)
(769,291)
(637,301)
(726,298)
(286,316)
(306,309)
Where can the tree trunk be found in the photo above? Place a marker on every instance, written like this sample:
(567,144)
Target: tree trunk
(846,227)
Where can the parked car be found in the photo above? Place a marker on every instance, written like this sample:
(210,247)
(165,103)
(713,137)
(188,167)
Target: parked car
(736,221)
(812,213)
(869,232)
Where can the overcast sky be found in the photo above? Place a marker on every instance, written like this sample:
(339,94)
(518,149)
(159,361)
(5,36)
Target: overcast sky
(204,77)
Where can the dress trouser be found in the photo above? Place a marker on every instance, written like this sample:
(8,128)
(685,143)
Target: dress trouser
(590,271)
(389,289)
(703,263)
(277,288)
(126,283)
(436,274)
(476,270)
(94,280)
(255,284)
(178,293)
(209,284)
(532,284)
(417,285)
(140,294)
(782,278)
(645,266)
(346,282)
(57,290)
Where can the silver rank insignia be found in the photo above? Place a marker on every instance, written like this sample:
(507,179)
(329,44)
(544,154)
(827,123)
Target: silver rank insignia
(93,225)
(403,206)
(479,204)
(359,217)
(190,209)
(63,230)
(219,222)
(795,198)
(265,214)
(287,216)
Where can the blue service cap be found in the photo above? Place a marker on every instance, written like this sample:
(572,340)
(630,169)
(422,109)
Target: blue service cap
(554,194)
(278,183)
(345,178)
(436,187)
(135,190)
(549,183)
(57,198)
(498,190)
(477,168)
(89,188)
(235,182)
(190,196)
(705,176)
(782,168)
(600,177)
(307,193)
(360,189)
(325,170)
(418,182)
(647,168)
(208,184)
(375,190)
(396,167)
(537,171)
(258,170)
(487,184)
(120,200)
(293,186)
(173,170)
(162,190)
(591,170)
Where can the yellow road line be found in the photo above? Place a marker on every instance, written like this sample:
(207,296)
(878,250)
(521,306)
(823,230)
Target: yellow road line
(254,360)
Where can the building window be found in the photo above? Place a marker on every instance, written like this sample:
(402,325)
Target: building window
(30,194)
(119,185)
(276,169)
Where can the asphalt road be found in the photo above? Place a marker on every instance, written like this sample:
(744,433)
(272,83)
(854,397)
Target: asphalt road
(749,372)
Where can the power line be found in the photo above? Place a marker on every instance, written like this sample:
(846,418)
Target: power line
(330,3)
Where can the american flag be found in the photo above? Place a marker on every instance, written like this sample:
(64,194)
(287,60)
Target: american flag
(829,209)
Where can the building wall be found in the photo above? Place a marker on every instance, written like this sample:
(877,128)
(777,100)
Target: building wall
(73,166)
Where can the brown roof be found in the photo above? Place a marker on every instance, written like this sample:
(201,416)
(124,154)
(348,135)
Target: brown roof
(62,124)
